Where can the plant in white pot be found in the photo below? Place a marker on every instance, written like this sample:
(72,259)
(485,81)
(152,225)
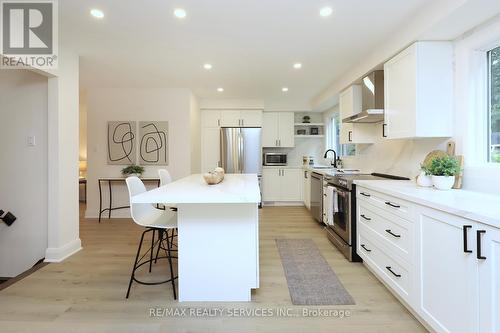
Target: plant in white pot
(443,171)
(133,170)
(424,179)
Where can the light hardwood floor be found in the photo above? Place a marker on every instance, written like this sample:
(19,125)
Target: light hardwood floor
(86,293)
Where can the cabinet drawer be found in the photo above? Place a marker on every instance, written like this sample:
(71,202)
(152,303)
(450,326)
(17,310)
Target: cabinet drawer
(385,267)
(386,202)
(391,230)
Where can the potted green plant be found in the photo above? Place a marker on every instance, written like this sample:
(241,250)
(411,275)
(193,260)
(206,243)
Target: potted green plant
(133,170)
(443,171)
(424,179)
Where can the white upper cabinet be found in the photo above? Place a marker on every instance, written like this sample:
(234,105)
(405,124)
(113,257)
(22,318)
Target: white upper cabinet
(350,101)
(419,91)
(231,118)
(252,118)
(349,105)
(278,129)
(210,118)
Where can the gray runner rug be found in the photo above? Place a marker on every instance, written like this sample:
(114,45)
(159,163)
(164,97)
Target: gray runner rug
(311,280)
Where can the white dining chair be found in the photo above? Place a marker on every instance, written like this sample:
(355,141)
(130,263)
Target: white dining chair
(154,220)
(165,177)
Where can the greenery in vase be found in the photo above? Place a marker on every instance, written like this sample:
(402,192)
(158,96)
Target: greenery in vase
(425,170)
(444,166)
(133,169)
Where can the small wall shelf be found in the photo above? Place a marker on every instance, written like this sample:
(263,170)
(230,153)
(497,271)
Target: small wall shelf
(309,124)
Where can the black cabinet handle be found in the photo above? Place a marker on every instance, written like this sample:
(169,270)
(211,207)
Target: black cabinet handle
(350,136)
(366,218)
(383,131)
(364,247)
(389,231)
(465,227)
(392,205)
(389,268)
(364,194)
(478,237)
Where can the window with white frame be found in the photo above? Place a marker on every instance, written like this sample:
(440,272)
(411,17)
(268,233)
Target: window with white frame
(333,137)
(494,105)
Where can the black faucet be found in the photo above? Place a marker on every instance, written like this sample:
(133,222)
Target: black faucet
(334,163)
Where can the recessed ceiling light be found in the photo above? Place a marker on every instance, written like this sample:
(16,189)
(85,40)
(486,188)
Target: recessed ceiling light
(220,89)
(180,13)
(284,89)
(97,13)
(297,65)
(326,11)
(207,66)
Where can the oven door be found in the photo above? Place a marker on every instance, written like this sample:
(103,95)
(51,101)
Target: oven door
(342,214)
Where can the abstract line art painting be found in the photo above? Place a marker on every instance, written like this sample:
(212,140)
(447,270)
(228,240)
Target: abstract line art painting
(153,142)
(121,142)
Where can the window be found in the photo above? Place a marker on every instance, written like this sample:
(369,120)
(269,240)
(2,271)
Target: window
(494,105)
(333,138)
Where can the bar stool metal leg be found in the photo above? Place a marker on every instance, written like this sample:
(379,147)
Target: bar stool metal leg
(152,250)
(135,263)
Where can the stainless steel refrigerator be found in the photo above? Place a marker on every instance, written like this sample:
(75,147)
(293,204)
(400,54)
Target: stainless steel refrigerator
(241,149)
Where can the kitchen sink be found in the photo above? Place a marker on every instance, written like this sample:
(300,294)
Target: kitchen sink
(322,167)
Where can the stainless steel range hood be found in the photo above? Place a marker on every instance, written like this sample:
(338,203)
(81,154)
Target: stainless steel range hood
(373,100)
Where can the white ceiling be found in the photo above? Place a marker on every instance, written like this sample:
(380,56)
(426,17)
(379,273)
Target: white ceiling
(252,44)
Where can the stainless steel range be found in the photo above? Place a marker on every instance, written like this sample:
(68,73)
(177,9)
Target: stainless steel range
(340,199)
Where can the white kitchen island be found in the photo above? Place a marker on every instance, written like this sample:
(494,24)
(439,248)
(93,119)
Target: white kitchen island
(218,239)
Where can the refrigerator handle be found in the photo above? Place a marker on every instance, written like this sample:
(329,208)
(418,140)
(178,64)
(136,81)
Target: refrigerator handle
(241,149)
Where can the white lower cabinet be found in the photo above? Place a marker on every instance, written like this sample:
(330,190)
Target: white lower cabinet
(446,268)
(489,279)
(282,184)
(447,274)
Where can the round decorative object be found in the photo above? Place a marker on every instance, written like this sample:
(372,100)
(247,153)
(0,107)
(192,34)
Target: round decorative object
(432,155)
(214,177)
(443,182)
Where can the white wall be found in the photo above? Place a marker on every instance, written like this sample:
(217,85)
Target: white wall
(195,118)
(115,104)
(63,119)
(23,169)
(83,132)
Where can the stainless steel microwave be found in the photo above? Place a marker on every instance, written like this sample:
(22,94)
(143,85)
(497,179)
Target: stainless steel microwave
(274,159)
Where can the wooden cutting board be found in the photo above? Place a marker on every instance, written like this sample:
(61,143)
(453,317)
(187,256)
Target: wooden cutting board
(450,149)
(460,176)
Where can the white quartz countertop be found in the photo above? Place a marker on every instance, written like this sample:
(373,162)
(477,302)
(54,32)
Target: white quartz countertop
(484,208)
(235,188)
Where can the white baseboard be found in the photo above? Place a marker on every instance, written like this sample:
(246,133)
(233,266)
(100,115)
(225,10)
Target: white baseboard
(283,203)
(58,254)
